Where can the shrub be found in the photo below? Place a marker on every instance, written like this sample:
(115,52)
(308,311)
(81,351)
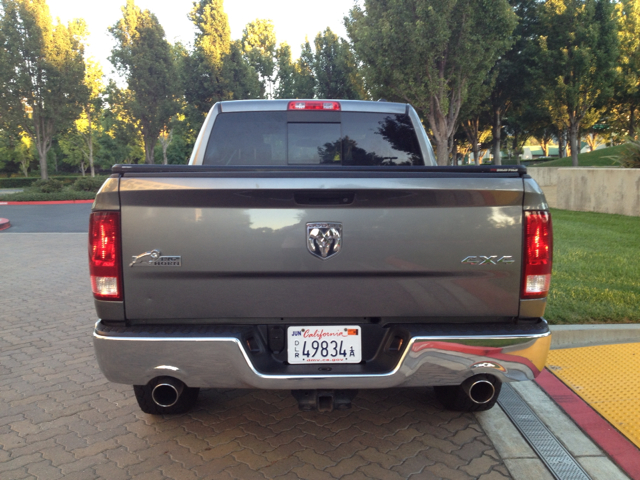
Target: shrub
(47,186)
(629,156)
(19,182)
(87,184)
(46,197)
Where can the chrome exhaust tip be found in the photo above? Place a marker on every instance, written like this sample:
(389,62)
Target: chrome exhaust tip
(479,389)
(167,392)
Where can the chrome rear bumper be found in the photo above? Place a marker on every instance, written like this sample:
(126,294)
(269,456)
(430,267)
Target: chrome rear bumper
(221,361)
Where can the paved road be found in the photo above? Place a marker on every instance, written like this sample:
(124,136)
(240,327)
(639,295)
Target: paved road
(61,419)
(73,217)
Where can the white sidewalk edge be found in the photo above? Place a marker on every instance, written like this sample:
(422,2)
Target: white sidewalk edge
(574,336)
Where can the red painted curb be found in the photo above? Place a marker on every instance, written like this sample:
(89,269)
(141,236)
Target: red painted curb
(57,202)
(4,223)
(621,450)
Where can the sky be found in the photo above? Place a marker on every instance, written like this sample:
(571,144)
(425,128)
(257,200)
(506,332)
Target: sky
(292,19)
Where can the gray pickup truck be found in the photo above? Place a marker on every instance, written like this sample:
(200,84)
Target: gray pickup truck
(315,246)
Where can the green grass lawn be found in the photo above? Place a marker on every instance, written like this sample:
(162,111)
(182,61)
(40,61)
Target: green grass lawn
(590,159)
(596,268)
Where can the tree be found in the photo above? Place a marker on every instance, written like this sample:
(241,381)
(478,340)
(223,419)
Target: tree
(144,57)
(286,72)
(89,121)
(578,52)
(305,80)
(334,68)
(259,47)
(119,137)
(202,68)
(512,72)
(182,139)
(75,151)
(41,73)
(216,68)
(627,96)
(429,53)
(16,153)
(240,79)
(474,115)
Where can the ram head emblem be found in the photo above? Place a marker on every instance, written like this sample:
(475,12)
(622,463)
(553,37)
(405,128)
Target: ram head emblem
(324,239)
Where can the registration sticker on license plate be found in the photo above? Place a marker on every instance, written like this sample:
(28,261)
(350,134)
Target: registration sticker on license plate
(327,344)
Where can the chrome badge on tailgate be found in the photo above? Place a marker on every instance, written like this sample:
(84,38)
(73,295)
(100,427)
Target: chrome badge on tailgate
(324,239)
(153,259)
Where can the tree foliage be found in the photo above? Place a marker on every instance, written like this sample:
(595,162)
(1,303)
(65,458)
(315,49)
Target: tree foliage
(578,53)
(627,88)
(216,69)
(472,76)
(41,73)
(430,53)
(259,47)
(144,57)
(334,68)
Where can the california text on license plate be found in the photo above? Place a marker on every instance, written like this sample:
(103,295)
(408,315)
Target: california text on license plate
(327,344)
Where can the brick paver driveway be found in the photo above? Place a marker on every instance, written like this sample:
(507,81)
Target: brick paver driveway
(59,418)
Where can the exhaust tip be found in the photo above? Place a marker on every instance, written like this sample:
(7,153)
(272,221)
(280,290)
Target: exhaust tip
(167,392)
(481,391)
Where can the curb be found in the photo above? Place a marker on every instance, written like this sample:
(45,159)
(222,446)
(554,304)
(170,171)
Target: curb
(4,223)
(53,202)
(575,336)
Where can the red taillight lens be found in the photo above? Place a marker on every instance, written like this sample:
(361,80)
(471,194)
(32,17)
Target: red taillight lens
(538,254)
(105,265)
(321,105)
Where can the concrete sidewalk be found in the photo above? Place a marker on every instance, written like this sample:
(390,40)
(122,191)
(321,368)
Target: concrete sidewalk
(603,451)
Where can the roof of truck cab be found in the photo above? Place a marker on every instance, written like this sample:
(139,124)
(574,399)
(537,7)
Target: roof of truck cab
(282,105)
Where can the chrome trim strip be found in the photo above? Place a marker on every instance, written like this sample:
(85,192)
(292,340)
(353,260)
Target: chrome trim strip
(508,367)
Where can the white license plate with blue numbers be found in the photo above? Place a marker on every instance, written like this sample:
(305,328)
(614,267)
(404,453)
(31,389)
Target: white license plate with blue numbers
(328,344)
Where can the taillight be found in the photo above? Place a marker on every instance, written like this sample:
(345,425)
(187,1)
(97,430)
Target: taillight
(538,254)
(315,105)
(105,265)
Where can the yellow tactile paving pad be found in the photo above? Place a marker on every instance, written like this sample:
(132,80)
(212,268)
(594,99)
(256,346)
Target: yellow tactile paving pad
(607,377)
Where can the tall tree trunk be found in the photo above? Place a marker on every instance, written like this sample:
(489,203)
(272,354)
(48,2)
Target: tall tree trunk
(544,144)
(497,132)
(149,148)
(471,128)
(165,140)
(43,139)
(442,149)
(444,123)
(632,121)
(574,139)
(561,143)
(24,166)
(93,172)
(515,147)
(42,154)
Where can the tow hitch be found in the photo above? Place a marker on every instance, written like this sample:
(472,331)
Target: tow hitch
(324,400)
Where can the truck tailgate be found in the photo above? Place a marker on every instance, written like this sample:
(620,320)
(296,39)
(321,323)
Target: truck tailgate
(243,246)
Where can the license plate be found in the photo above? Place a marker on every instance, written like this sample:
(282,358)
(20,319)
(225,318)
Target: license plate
(328,344)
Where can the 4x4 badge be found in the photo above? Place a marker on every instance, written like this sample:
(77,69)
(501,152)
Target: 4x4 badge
(487,260)
(324,239)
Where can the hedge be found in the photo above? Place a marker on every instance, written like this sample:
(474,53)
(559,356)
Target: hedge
(47,197)
(24,182)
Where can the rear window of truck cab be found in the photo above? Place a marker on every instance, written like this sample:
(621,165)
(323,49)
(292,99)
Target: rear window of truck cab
(312,138)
